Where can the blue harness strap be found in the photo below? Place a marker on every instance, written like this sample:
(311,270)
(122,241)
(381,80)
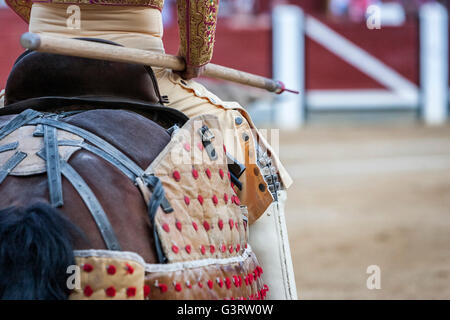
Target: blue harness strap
(53,166)
(18,121)
(10,164)
(157,198)
(9,146)
(95,140)
(99,152)
(91,201)
(46,126)
(93,205)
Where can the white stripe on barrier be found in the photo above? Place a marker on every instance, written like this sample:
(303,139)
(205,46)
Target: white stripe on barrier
(289,64)
(434,62)
(359,58)
(320,100)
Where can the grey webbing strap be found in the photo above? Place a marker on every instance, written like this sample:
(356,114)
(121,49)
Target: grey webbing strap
(18,121)
(95,140)
(39,131)
(93,205)
(154,184)
(9,146)
(155,201)
(91,202)
(103,145)
(99,152)
(53,166)
(10,164)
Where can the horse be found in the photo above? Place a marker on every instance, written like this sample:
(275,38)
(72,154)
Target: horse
(123,107)
(87,180)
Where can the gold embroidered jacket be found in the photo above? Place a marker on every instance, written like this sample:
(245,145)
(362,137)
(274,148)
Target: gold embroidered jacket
(197,21)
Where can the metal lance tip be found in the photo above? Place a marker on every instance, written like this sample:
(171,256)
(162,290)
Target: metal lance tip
(30,41)
(282,88)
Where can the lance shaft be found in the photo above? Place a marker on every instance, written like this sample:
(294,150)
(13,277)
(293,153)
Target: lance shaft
(102,51)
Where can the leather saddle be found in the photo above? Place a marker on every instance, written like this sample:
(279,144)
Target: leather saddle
(53,83)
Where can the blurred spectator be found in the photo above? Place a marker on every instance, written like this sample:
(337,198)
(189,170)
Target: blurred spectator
(168,13)
(355,10)
(338,7)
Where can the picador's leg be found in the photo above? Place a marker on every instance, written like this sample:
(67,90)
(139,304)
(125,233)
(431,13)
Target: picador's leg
(269,240)
(262,196)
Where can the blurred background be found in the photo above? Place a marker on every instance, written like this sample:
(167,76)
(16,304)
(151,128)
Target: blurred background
(367,141)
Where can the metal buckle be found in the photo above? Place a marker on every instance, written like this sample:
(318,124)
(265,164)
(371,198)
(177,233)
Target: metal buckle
(207,138)
(206,134)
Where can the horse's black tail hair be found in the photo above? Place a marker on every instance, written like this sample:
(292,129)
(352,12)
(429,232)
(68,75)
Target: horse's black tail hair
(35,251)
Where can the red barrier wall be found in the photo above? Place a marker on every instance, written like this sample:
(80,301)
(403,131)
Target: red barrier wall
(250,50)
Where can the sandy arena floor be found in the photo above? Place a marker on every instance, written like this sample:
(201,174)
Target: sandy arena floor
(369,196)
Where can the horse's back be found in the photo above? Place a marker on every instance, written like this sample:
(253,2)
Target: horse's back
(139,138)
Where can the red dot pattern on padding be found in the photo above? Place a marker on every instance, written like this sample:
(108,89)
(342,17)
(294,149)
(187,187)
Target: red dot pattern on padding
(228,283)
(237,280)
(131,292)
(129,268)
(110,291)
(88,267)
(176,175)
(162,287)
(146,290)
(88,291)
(111,269)
(215,200)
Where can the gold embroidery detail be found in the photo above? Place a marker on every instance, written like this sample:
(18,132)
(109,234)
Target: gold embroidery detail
(197,20)
(21,7)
